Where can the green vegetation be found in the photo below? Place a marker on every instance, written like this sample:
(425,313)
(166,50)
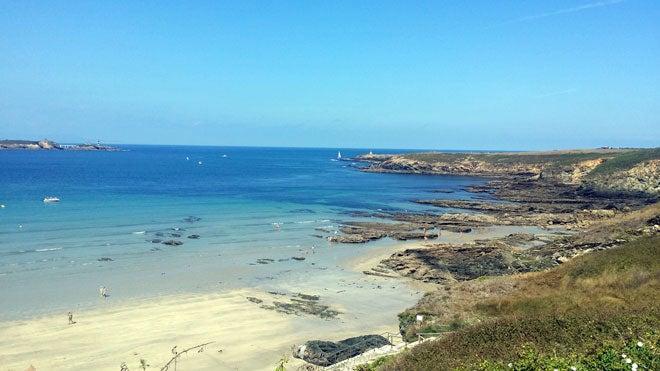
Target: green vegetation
(528,158)
(626,161)
(584,314)
(375,365)
(617,160)
(635,355)
(281,363)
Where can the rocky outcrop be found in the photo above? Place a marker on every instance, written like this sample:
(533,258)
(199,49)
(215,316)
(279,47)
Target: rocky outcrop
(360,232)
(572,174)
(298,304)
(447,263)
(326,353)
(466,165)
(50,145)
(641,178)
(603,171)
(27,144)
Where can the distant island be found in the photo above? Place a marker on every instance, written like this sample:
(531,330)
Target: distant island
(49,145)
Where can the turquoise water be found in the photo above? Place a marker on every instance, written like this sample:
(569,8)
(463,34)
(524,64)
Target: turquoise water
(114,204)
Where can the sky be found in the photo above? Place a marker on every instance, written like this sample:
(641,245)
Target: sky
(500,75)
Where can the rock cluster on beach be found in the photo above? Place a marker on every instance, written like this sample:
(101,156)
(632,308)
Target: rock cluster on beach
(296,304)
(360,232)
(440,263)
(558,192)
(326,353)
(515,202)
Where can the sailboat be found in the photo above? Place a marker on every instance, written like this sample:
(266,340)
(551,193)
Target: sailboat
(338,155)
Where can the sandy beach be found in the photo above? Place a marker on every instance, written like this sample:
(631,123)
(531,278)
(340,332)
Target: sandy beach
(244,336)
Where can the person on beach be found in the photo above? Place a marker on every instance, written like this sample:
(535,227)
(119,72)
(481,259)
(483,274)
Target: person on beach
(103,291)
(71,321)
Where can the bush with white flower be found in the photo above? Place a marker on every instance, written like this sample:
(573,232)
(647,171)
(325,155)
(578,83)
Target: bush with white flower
(634,356)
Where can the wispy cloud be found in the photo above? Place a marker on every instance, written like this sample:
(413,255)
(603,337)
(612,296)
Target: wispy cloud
(552,94)
(575,9)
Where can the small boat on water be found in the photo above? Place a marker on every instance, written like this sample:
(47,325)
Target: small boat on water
(338,155)
(51,199)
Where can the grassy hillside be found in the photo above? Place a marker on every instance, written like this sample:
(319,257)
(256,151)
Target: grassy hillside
(625,161)
(616,159)
(582,314)
(603,171)
(540,158)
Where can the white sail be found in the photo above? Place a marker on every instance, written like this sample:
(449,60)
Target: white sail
(338,155)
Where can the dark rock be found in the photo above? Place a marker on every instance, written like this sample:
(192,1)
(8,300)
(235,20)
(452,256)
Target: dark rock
(456,228)
(191,219)
(265,261)
(300,306)
(443,191)
(194,236)
(409,235)
(176,235)
(459,262)
(173,243)
(299,258)
(308,297)
(254,300)
(302,211)
(104,259)
(326,353)
(156,240)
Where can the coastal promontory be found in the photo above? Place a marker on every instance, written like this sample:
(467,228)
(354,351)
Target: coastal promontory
(49,145)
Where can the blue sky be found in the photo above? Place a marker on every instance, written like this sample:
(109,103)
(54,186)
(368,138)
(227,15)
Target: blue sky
(381,74)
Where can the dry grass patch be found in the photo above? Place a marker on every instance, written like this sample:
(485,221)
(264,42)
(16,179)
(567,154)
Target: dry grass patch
(607,297)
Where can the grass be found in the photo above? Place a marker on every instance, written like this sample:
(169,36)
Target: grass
(579,312)
(625,161)
(642,354)
(376,364)
(616,160)
(512,158)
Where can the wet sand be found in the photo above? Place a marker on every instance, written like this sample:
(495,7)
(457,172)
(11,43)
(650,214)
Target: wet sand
(244,335)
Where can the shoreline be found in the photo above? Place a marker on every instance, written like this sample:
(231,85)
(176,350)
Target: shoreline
(243,335)
(147,328)
(252,328)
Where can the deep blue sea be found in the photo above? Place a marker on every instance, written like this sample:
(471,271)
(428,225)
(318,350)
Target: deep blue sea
(114,204)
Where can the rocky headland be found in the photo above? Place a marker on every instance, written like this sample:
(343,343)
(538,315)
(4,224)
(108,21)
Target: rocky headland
(582,203)
(49,145)
(605,171)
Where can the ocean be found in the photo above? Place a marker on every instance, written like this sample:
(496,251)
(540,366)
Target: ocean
(253,209)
